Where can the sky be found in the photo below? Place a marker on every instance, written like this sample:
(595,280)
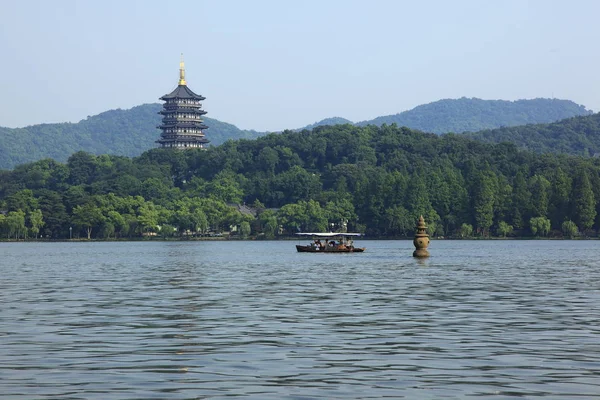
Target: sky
(273,65)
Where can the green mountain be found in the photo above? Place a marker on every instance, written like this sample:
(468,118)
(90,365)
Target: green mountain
(472,115)
(328,121)
(131,132)
(119,132)
(576,136)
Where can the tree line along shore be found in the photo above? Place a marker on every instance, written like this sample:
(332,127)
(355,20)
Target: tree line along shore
(375,180)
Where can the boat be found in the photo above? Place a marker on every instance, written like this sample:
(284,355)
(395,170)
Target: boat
(332,243)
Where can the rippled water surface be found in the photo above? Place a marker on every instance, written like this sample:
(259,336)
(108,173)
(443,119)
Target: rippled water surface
(214,320)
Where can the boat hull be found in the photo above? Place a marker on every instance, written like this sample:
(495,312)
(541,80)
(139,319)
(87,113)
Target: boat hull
(312,249)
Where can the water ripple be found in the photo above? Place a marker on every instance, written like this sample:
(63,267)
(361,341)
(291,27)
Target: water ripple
(212,320)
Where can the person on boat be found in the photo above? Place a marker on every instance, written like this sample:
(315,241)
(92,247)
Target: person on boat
(318,244)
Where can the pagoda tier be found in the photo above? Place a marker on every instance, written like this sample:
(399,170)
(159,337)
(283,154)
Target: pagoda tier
(170,109)
(182,142)
(182,128)
(182,125)
(181,112)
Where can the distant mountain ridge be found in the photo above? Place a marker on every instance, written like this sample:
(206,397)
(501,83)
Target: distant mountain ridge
(577,136)
(473,114)
(328,121)
(118,132)
(133,131)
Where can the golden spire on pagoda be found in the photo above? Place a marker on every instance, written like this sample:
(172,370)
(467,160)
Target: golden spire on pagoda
(181,71)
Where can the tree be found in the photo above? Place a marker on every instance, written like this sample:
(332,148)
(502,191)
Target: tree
(539,226)
(569,228)
(466,230)
(225,187)
(293,185)
(434,228)
(22,200)
(167,230)
(399,220)
(154,189)
(196,187)
(75,196)
(503,205)
(268,159)
(147,217)
(540,194)
(418,201)
(15,222)
(107,229)
(304,216)
(56,219)
(214,210)
(124,185)
(82,167)
(559,197)
(521,201)
(317,219)
(120,226)
(198,220)
(340,213)
(271,227)
(3,226)
(245,229)
(36,220)
(87,216)
(584,203)
(484,200)
(267,223)
(504,229)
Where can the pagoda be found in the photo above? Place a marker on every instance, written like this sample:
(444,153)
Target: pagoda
(182,126)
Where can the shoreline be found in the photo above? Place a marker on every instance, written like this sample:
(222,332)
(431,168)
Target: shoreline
(250,239)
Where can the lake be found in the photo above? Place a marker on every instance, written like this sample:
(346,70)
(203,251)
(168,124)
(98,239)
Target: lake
(257,320)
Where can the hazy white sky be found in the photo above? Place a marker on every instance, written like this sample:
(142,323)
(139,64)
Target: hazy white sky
(271,65)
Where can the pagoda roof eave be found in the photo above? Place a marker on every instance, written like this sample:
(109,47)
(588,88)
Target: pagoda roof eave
(174,140)
(198,126)
(175,111)
(182,92)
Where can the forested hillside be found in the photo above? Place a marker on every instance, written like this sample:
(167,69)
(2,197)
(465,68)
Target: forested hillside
(131,132)
(328,121)
(371,179)
(577,136)
(472,114)
(119,132)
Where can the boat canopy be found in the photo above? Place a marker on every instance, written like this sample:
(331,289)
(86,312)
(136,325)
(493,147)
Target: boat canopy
(327,235)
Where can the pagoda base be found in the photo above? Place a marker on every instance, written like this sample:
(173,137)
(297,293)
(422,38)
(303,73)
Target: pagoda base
(420,253)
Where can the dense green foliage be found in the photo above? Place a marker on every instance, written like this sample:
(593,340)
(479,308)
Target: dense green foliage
(131,132)
(577,136)
(371,179)
(119,132)
(472,115)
